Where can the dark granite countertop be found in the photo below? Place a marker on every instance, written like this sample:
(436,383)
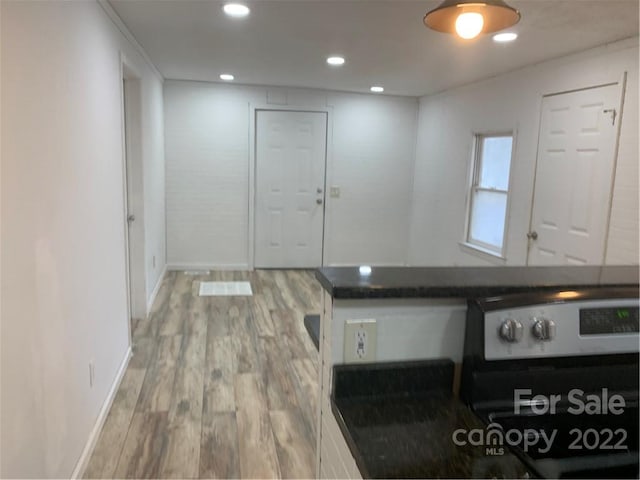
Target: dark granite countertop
(398,420)
(467,282)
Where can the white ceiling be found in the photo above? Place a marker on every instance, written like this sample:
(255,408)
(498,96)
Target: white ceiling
(286,42)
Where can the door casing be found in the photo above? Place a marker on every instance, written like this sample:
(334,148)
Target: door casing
(132,172)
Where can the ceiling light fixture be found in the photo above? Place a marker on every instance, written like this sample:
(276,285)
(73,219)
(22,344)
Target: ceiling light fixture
(468,18)
(227,77)
(236,10)
(335,61)
(377,89)
(505,37)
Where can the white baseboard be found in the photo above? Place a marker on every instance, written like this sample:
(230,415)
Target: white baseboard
(78,472)
(207,266)
(156,289)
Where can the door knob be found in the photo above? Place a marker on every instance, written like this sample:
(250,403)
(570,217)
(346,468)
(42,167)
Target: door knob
(532,235)
(319,201)
(131,218)
(319,190)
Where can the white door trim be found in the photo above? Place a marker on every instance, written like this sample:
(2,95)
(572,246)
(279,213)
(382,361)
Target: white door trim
(123,62)
(253,118)
(616,150)
(129,72)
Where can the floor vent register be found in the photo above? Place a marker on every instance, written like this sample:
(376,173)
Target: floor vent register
(225,289)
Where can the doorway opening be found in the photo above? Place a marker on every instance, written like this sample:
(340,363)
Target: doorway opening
(133,194)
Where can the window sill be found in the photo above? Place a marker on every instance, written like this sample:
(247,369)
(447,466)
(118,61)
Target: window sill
(483,253)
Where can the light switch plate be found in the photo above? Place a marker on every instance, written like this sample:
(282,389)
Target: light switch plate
(335,192)
(360,341)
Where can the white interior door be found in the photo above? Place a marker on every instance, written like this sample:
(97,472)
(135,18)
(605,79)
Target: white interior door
(290,169)
(134,202)
(574,174)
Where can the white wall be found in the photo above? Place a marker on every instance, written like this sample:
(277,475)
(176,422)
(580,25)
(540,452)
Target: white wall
(446,125)
(407,329)
(373,160)
(207,128)
(63,256)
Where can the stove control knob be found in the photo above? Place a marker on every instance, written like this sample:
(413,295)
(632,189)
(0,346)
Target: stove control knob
(510,330)
(543,329)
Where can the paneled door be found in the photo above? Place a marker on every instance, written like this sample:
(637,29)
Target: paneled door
(290,185)
(574,176)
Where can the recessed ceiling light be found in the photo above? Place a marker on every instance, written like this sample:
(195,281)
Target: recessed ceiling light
(377,89)
(365,270)
(505,37)
(227,77)
(236,10)
(335,61)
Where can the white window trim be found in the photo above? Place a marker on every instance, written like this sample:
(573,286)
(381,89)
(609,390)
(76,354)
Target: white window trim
(479,249)
(484,253)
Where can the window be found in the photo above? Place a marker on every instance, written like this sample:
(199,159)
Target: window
(489,192)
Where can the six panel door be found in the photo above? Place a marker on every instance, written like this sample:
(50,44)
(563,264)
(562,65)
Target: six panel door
(574,176)
(290,183)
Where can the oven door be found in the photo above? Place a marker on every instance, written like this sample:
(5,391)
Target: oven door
(564,445)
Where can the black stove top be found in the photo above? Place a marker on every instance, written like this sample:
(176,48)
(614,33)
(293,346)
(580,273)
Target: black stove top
(565,445)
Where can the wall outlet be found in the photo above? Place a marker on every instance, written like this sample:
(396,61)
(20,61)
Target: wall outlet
(92,373)
(153,260)
(335,192)
(360,341)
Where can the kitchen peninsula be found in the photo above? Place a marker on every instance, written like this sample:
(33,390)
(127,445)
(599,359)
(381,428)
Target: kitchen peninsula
(380,388)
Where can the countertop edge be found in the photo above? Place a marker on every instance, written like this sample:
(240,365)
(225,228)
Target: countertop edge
(343,283)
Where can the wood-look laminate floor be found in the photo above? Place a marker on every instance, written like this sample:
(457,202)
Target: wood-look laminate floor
(218,387)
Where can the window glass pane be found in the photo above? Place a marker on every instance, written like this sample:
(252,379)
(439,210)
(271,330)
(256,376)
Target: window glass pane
(496,161)
(488,218)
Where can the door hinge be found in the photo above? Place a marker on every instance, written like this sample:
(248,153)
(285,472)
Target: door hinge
(613,113)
